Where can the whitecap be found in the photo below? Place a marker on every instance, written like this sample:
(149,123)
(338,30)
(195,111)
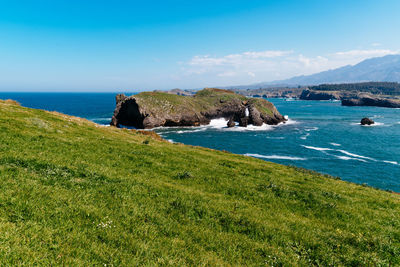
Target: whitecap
(391,162)
(273,157)
(349,158)
(191,131)
(218,123)
(335,144)
(304,137)
(311,129)
(288,121)
(372,125)
(317,148)
(375,124)
(101,119)
(355,155)
(251,127)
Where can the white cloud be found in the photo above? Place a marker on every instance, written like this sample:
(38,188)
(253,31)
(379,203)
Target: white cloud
(237,59)
(267,54)
(227,74)
(369,53)
(269,65)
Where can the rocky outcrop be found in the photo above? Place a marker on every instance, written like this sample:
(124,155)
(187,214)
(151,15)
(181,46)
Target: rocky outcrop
(366,121)
(231,123)
(325,95)
(155,109)
(372,101)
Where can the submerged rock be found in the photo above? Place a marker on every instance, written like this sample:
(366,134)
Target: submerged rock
(231,123)
(155,109)
(367,121)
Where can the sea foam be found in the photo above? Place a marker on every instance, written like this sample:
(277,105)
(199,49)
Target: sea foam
(317,148)
(274,157)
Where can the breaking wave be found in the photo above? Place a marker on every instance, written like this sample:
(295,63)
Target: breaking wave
(274,157)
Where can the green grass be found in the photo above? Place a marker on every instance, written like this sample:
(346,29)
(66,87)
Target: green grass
(206,99)
(75,193)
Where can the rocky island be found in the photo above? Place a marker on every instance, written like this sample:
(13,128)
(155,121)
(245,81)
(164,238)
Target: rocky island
(154,109)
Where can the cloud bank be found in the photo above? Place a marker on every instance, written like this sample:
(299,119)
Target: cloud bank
(269,65)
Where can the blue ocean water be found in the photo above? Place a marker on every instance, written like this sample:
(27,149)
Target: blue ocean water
(98,107)
(320,135)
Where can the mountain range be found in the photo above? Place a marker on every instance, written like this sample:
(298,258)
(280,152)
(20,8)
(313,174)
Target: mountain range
(381,69)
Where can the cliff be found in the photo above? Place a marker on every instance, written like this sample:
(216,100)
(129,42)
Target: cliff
(326,95)
(155,109)
(372,101)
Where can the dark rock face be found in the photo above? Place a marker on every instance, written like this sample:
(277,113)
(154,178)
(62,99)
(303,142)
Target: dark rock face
(155,109)
(231,123)
(371,101)
(367,121)
(255,116)
(243,122)
(316,95)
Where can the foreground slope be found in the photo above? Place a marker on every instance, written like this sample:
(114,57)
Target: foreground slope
(75,193)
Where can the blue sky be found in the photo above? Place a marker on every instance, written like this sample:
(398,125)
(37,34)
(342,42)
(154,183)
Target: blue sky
(144,45)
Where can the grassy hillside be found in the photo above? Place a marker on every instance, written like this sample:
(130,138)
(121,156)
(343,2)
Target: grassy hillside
(75,193)
(203,100)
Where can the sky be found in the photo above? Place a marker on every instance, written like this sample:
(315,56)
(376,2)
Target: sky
(110,46)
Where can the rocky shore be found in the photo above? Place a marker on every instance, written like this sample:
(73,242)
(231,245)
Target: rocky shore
(326,95)
(154,109)
(372,101)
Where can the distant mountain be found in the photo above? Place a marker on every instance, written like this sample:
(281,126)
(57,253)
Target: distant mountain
(382,69)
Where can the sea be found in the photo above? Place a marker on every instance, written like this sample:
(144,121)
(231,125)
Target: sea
(319,135)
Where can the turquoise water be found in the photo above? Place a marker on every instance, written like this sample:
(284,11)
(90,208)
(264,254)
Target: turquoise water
(320,135)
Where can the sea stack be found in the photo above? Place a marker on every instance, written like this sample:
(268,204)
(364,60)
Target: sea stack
(154,109)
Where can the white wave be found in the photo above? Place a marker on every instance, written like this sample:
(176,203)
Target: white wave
(349,158)
(335,144)
(311,129)
(354,155)
(251,127)
(372,125)
(391,162)
(278,137)
(100,119)
(288,121)
(375,124)
(170,140)
(218,123)
(191,131)
(221,124)
(318,148)
(304,137)
(273,157)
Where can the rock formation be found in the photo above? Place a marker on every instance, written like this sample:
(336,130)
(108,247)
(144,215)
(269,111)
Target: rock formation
(326,95)
(155,109)
(372,101)
(231,123)
(367,121)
